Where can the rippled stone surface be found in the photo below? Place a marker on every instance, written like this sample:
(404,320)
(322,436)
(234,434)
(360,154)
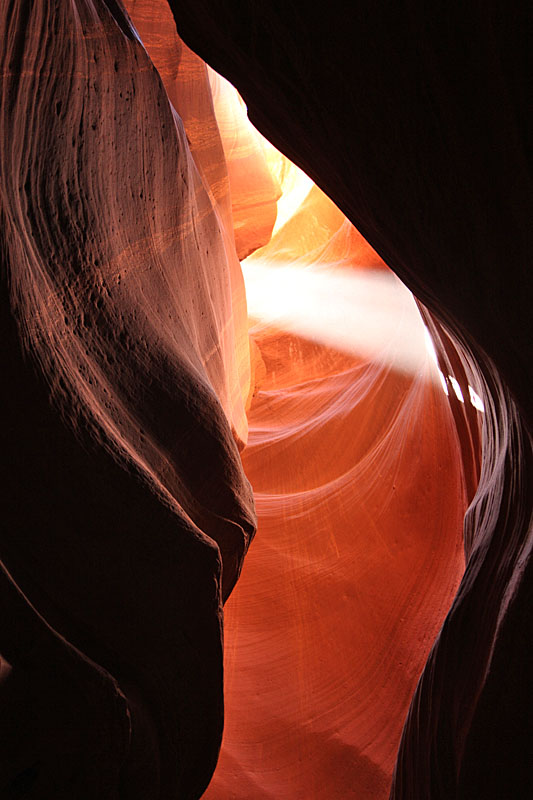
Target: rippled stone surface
(126,362)
(126,366)
(413,120)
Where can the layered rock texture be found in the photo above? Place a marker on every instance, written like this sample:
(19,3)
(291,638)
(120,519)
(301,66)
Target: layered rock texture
(360,494)
(376,643)
(126,373)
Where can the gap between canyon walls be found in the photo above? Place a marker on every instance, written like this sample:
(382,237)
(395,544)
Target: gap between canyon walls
(412,118)
(359,551)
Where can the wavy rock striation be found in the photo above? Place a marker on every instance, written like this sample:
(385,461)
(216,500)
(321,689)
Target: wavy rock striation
(126,362)
(413,120)
(126,372)
(358,481)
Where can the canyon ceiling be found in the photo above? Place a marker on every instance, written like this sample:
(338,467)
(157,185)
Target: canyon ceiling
(377,642)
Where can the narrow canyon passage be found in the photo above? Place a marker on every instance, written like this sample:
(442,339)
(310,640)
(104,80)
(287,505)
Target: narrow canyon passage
(357,477)
(347,582)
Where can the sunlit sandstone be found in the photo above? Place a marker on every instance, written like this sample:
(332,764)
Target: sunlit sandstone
(124,207)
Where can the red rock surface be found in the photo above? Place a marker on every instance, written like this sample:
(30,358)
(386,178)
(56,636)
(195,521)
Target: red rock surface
(412,118)
(254,188)
(126,362)
(357,477)
(126,369)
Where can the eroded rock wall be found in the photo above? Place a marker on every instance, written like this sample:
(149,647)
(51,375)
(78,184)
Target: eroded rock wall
(126,364)
(357,472)
(413,119)
(126,370)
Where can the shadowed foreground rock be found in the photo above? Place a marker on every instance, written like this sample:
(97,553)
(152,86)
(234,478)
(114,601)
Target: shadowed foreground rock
(125,371)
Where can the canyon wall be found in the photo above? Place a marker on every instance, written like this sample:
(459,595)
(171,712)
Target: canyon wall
(125,207)
(412,118)
(125,367)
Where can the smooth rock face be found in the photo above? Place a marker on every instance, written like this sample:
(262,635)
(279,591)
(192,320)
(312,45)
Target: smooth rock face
(359,488)
(255,190)
(126,372)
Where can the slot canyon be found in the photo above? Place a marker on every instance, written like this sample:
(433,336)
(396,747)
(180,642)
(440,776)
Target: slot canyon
(266,354)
